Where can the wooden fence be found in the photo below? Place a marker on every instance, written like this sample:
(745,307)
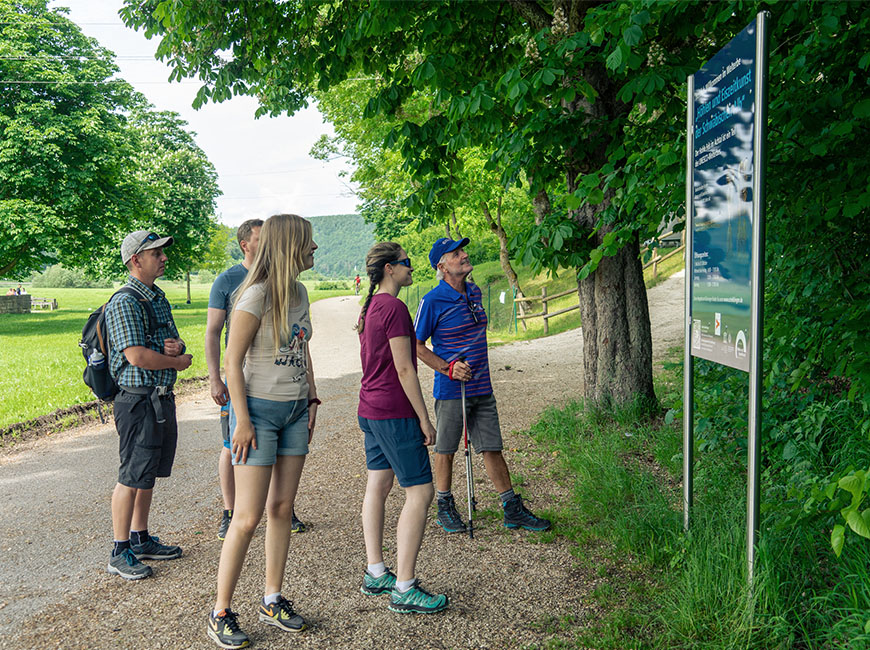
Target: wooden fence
(656,258)
(545,312)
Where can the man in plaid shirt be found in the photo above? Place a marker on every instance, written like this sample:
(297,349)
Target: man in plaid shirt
(144,367)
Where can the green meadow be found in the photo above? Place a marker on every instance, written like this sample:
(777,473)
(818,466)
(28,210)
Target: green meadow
(41,364)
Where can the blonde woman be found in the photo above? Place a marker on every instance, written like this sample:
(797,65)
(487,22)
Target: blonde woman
(273,409)
(397,429)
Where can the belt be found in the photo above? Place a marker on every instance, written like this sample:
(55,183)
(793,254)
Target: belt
(154,393)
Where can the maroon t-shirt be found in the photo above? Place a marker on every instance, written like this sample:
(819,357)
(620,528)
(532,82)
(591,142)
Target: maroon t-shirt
(381,396)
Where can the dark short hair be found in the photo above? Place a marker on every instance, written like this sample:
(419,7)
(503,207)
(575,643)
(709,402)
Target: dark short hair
(247,227)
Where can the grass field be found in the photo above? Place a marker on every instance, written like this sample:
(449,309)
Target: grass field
(41,365)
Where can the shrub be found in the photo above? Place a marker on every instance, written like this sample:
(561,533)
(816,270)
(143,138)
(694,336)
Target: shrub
(56,276)
(332,284)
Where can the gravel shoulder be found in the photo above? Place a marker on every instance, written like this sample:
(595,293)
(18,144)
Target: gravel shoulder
(507,589)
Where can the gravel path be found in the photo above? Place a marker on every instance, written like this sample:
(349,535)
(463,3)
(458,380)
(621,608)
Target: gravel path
(507,589)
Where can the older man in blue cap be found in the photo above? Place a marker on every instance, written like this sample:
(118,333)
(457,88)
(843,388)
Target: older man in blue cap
(452,315)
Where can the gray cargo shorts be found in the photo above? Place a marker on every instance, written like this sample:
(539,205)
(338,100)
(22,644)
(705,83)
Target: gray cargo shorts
(484,432)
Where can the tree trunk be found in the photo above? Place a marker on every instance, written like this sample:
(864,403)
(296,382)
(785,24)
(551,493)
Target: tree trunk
(617,343)
(188,287)
(504,256)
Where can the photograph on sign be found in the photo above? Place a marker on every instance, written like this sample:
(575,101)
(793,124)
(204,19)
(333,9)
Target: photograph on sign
(722,179)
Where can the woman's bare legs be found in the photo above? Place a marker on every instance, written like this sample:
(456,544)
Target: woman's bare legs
(252,486)
(279,507)
(378,486)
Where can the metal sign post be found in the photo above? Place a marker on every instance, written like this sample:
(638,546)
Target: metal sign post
(726,129)
(753,499)
(688,363)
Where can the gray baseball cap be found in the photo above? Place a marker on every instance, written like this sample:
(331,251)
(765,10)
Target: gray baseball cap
(142,240)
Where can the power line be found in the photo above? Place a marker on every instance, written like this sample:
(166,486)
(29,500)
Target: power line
(34,82)
(75,57)
(281,196)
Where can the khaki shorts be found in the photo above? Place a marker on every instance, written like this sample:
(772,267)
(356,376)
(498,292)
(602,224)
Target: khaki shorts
(484,432)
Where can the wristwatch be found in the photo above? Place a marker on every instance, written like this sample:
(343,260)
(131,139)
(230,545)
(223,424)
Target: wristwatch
(314,400)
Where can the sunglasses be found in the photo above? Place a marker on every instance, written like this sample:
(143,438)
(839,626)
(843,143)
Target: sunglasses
(151,236)
(404,262)
(473,309)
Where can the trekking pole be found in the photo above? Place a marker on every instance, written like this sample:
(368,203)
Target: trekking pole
(469,477)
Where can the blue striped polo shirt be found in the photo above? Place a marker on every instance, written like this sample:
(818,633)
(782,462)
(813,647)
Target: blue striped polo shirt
(445,316)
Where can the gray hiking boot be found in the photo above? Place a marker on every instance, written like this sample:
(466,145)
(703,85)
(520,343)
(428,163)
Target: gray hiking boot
(448,518)
(128,566)
(154,550)
(516,515)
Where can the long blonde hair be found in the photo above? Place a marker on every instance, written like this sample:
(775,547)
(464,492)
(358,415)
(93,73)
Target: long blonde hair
(285,240)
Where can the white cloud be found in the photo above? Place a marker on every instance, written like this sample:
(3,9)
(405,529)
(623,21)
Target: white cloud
(263,164)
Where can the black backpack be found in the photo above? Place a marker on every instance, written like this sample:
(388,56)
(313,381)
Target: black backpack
(95,346)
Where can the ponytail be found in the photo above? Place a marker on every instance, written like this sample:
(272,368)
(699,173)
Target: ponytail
(378,257)
(361,323)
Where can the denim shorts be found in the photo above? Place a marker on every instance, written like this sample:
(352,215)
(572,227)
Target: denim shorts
(225,424)
(397,444)
(280,428)
(484,432)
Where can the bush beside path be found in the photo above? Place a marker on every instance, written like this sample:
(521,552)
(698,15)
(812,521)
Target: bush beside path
(507,588)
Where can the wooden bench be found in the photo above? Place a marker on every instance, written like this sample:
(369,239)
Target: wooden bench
(42,303)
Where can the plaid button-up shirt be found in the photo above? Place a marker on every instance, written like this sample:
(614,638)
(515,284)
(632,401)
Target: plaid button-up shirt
(126,323)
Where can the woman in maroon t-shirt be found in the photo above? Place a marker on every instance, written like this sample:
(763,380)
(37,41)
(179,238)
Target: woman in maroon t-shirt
(397,430)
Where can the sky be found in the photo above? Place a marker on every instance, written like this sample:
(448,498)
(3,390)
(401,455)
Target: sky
(263,164)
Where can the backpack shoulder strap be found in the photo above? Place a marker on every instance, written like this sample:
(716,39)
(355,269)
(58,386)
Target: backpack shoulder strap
(146,304)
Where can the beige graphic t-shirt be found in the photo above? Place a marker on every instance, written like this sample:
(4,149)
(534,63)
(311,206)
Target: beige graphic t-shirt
(279,377)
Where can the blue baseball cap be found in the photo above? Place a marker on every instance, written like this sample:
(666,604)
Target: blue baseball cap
(443,246)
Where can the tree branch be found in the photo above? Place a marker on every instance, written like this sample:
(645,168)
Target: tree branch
(532,12)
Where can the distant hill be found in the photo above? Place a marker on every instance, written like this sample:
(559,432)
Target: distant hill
(343,241)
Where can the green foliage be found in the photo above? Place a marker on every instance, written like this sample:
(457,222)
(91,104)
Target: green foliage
(58,276)
(180,187)
(64,146)
(679,590)
(343,241)
(219,255)
(83,159)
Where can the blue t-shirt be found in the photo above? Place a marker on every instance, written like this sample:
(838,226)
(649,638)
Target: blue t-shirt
(221,293)
(456,323)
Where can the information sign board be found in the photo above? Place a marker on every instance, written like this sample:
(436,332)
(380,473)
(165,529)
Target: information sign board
(724,162)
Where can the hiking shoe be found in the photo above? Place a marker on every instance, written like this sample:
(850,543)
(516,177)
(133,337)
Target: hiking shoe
(281,615)
(448,518)
(418,600)
(128,566)
(296,526)
(154,550)
(516,515)
(375,586)
(224,630)
(226,518)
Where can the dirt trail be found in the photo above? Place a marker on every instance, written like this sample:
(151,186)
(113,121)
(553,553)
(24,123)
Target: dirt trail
(506,588)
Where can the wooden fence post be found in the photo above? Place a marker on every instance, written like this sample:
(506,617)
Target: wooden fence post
(544,310)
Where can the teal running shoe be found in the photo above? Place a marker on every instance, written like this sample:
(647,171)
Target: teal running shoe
(377,586)
(417,600)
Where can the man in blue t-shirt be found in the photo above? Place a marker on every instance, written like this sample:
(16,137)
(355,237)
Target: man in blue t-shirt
(220,304)
(452,315)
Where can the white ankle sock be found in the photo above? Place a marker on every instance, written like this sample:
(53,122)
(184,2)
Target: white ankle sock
(271,599)
(403,585)
(377,570)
